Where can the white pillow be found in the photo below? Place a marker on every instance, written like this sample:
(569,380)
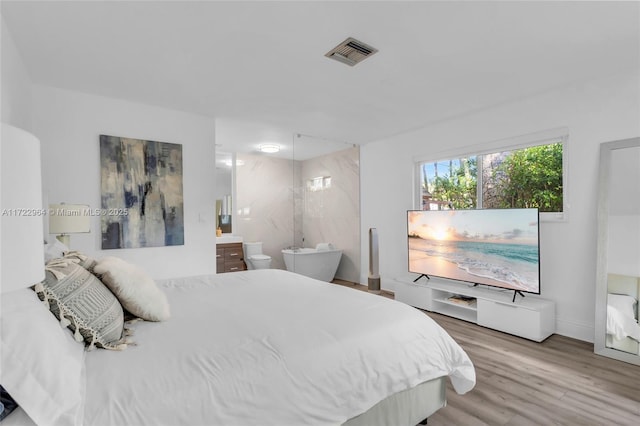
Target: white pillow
(623,303)
(42,366)
(136,290)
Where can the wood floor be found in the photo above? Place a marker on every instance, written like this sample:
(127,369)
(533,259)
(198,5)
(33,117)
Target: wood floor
(519,382)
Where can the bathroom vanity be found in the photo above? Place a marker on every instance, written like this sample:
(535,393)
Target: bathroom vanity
(229,255)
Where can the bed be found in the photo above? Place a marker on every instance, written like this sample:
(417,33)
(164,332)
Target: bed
(623,330)
(265,347)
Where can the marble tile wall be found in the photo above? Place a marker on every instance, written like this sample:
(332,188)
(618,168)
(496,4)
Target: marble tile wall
(332,214)
(265,204)
(275,206)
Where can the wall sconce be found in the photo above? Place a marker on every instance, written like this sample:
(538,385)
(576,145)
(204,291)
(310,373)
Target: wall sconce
(65,219)
(229,163)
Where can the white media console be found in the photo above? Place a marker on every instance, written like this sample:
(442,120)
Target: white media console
(529,317)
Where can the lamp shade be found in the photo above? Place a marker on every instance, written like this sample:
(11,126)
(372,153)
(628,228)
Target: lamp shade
(22,235)
(69,218)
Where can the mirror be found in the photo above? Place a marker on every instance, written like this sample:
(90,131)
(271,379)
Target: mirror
(224,190)
(618,268)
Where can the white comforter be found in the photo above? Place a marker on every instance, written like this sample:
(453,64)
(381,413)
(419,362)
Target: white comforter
(268,347)
(620,325)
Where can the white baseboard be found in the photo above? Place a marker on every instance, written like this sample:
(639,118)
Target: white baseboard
(575,329)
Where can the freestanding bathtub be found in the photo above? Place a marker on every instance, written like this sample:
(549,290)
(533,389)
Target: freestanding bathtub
(319,264)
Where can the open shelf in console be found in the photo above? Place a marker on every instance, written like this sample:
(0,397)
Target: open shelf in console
(447,307)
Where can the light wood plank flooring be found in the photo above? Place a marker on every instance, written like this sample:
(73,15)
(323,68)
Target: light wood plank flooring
(519,382)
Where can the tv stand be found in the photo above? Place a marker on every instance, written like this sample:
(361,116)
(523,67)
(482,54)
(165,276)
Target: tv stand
(532,318)
(422,275)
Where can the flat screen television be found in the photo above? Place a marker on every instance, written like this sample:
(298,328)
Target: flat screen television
(493,247)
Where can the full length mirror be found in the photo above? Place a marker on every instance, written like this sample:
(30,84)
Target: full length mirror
(618,268)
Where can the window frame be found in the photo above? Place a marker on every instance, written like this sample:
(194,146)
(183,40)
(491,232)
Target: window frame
(558,135)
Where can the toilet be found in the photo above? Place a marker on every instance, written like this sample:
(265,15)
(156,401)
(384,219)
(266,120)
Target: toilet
(254,258)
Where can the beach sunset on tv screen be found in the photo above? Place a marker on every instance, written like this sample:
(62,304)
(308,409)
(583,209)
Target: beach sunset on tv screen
(497,247)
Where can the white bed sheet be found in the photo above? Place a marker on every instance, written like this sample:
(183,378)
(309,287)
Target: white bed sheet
(268,347)
(620,326)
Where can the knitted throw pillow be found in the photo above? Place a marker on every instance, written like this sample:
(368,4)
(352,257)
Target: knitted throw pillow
(84,304)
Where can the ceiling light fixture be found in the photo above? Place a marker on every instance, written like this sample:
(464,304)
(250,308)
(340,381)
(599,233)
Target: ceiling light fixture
(269,148)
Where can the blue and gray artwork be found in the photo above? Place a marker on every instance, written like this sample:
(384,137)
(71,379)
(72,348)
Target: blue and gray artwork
(142,202)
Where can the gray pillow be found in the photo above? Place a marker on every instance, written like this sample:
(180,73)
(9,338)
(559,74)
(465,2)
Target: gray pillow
(83,303)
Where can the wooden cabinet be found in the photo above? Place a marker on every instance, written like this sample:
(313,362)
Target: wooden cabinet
(229,258)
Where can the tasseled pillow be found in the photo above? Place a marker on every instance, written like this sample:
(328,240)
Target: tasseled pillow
(82,259)
(83,304)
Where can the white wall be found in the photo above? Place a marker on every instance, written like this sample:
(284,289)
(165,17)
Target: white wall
(15,85)
(594,112)
(69,124)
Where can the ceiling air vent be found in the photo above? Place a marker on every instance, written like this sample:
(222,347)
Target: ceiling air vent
(351,52)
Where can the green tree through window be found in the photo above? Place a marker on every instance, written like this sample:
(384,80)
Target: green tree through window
(527,177)
(530,177)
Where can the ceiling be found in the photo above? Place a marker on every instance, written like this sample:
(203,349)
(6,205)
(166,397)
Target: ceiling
(259,67)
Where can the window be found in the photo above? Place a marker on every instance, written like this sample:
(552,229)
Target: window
(319,183)
(523,176)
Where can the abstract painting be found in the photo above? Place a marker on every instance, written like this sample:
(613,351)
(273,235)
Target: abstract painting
(142,201)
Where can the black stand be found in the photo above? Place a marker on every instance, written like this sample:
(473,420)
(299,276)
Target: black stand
(514,295)
(422,275)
